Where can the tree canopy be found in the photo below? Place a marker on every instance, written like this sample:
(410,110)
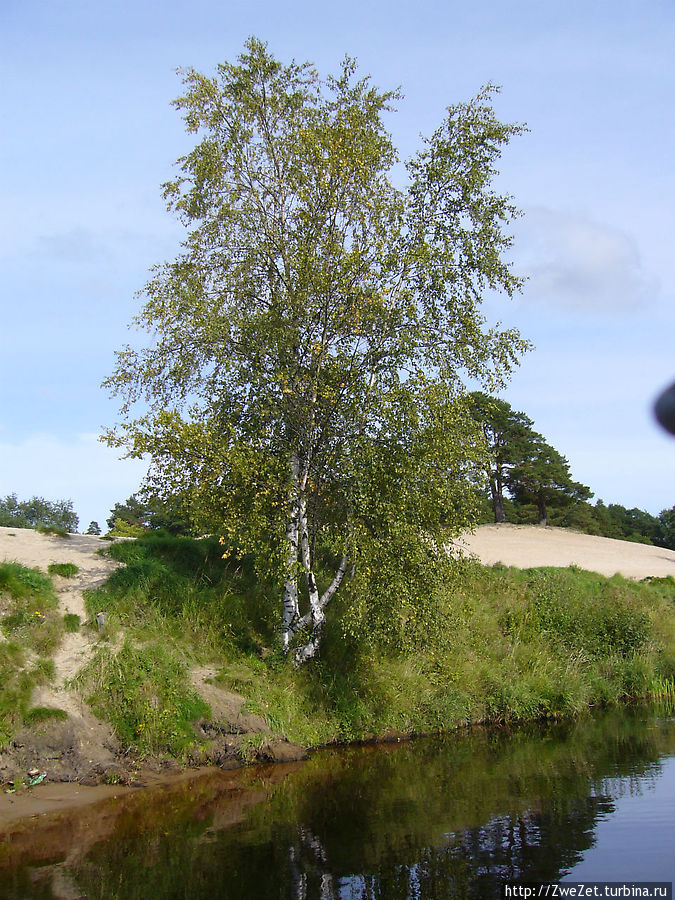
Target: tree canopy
(17,513)
(519,460)
(303,384)
(150,514)
(543,477)
(507,434)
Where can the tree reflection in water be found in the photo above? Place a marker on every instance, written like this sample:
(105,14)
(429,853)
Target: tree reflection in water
(427,820)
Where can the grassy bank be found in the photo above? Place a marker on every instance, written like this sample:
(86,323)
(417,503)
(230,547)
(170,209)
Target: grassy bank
(30,629)
(515,645)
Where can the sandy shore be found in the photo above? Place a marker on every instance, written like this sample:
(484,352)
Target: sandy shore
(530,546)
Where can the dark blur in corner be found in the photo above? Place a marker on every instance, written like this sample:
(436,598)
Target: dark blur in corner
(664,409)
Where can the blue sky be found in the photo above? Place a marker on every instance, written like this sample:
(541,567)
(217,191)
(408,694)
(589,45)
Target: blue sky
(88,135)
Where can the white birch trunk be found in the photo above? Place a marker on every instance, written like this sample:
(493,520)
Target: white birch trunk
(297,535)
(317,616)
(290,599)
(305,555)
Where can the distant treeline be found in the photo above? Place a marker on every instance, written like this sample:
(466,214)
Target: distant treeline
(37,511)
(528,481)
(524,480)
(613,520)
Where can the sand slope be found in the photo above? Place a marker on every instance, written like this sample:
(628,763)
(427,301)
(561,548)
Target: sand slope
(524,546)
(83,748)
(529,546)
(30,548)
(39,550)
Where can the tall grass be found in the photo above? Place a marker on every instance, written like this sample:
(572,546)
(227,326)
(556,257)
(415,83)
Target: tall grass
(144,692)
(28,608)
(183,587)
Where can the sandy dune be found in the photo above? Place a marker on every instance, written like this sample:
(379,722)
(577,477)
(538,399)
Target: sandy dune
(529,546)
(524,546)
(39,550)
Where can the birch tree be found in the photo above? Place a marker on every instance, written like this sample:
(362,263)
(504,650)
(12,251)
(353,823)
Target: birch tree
(303,379)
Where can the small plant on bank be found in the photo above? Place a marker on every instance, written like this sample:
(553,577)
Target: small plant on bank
(65,570)
(52,530)
(252,746)
(71,622)
(36,715)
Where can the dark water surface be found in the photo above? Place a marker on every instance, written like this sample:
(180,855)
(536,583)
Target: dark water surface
(433,818)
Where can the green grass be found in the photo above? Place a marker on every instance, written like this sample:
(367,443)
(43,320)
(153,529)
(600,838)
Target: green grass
(31,627)
(515,645)
(143,692)
(65,570)
(37,715)
(71,622)
(17,582)
(28,607)
(17,680)
(182,588)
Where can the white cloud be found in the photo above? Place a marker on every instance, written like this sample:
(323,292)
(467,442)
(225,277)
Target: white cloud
(79,469)
(574,262)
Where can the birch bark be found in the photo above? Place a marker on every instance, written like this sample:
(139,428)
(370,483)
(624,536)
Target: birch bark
(290,597)
(317,616)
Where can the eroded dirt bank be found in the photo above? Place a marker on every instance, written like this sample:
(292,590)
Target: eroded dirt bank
(82,749)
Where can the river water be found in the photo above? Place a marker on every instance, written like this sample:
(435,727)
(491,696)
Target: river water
(447,817)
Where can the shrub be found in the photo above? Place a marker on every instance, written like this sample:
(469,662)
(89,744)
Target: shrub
(65,570)
(53,530)
(126,529)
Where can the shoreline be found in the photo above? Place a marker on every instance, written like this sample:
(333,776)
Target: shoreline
(54,799)
(59,823)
